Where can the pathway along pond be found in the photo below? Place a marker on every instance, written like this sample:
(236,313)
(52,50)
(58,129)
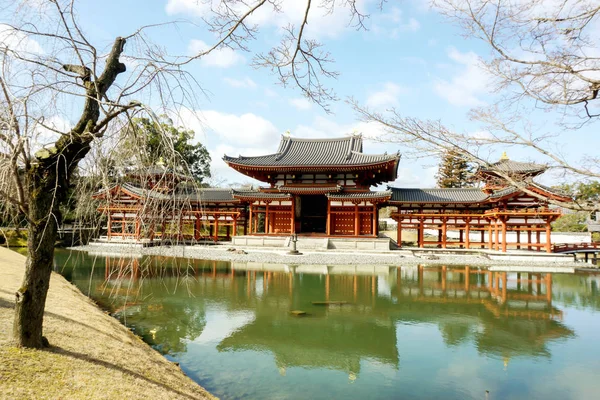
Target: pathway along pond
(404,332)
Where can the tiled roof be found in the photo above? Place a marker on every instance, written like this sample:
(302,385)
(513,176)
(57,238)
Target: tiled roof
(345,151)
(207,195)
(364,195)
(532,185)
(459,195)
(511,167)
(245,194)
(310,189)
(216,195)
(504,192)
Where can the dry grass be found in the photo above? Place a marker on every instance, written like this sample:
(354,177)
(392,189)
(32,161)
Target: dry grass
(92,356)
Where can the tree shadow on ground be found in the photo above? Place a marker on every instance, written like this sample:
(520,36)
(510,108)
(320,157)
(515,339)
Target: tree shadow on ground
(106,364)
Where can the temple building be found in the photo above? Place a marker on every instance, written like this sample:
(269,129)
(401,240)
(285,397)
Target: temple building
(316,186)
(322,188)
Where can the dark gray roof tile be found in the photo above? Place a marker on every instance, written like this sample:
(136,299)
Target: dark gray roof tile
(438,196)
(358,196)
(511,167)
(315,152)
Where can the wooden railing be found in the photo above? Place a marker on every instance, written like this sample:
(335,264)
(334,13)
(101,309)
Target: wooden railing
(565,247)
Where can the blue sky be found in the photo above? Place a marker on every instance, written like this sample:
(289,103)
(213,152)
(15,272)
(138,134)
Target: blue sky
(411,58)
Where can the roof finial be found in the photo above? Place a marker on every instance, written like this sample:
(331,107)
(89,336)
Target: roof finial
(287,133)
(504,156)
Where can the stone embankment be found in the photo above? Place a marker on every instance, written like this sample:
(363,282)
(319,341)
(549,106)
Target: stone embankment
(226,252)
(92,356)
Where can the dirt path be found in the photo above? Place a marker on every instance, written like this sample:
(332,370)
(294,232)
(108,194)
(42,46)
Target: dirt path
(92,356)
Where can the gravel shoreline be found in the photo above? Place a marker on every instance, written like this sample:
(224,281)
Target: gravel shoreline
(279,256)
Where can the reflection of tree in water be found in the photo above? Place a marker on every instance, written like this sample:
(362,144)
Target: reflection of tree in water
(455,333)
(164,299)
(579,290)
(167,323)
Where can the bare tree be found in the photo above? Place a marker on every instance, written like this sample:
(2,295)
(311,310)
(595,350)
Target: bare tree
(544,50)
(542,54)
(49,67)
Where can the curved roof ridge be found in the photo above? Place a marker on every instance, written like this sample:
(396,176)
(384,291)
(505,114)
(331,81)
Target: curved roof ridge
(284,146)
(333,139)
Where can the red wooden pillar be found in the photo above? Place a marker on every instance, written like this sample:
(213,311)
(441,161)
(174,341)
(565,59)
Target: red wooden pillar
(503,235)
(216,217)
(328,227)
(356,221)
(538,238)
(468,233)
(293,216)
(548,240)
(421,233)
(490,235)
(109,231)
(461,237)
(528,238)
(250,219)
(399,233)
(518,237)
(267,219)
(235,217)
(444,228)
(374,221)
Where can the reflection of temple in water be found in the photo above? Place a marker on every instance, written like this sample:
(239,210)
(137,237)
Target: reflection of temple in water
(504,314)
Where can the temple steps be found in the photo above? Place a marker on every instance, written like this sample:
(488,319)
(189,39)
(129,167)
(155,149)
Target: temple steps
(315,243)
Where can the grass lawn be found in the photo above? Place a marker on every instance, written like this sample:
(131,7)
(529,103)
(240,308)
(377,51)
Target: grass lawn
(92,356)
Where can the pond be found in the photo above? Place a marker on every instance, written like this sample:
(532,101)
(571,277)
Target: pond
(375,331)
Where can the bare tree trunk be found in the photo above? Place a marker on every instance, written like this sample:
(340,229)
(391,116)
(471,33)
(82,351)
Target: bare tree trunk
(31,296)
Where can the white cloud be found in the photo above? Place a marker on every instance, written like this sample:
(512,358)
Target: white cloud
(241,130)
(392,23)
(252,135)
(270,93)
(18,41)
(387,97)
(322,23)
(241,83)
(301,103)
(223,57)
(468,84)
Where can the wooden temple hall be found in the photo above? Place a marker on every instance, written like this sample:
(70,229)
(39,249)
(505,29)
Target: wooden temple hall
(322,188)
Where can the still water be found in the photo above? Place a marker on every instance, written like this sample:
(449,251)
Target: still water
(399,332)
